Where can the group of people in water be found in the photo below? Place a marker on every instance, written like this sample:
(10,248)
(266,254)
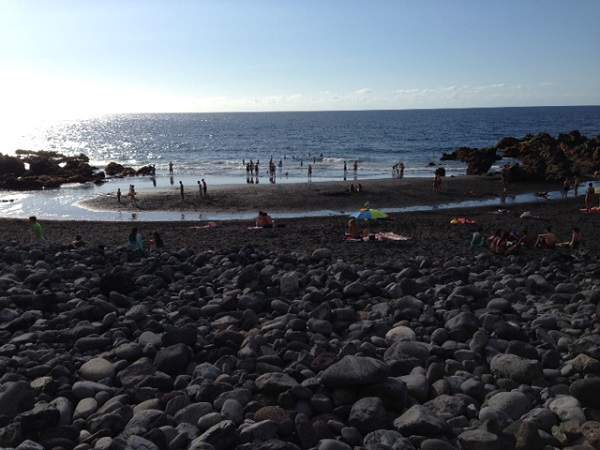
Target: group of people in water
(398,170)
(503,242)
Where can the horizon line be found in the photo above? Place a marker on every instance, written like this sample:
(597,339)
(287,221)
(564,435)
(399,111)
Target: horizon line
(351,110)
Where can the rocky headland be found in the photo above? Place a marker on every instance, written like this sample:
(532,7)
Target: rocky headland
(32,170)
(541,157)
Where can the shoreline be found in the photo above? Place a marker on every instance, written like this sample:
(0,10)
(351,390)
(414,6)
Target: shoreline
(307,197)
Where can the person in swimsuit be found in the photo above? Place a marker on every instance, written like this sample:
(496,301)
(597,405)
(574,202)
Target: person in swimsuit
(547,240)
(353,231)
(576,239)
(263,220)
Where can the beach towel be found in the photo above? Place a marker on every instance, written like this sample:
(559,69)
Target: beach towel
(528,215)
(204,227)
(389,236)
(462,221)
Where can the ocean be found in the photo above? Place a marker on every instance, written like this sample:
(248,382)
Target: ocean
(214,145)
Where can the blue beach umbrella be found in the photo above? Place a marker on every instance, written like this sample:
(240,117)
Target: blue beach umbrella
(369,214)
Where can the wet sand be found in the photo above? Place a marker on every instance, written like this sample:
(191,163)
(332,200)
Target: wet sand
(335,196)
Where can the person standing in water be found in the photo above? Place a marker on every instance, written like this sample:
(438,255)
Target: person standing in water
(345,170)
(171,167)
(181,190)
(119,195)
(310,173)
(204,187)
(199,188)
(401,170)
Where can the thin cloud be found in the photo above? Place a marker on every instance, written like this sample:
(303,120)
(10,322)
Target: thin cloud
(363,91)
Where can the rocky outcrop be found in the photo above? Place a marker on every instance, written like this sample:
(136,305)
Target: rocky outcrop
(479,161)
(114,169)
(30,170)
(541,157)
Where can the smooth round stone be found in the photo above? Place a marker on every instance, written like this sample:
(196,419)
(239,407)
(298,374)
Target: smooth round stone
(104,443)
(96,369)
(85,407)
(400,333)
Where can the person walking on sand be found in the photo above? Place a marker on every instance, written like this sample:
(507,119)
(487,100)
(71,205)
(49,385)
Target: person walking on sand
(36,228)
(119,195)
(204,187)
(171,167)
(589,197)
(181,190)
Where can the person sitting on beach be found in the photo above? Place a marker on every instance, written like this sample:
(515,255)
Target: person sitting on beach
(526,239)
(136,240)
(353,231)
(156,242)
(77,242)
(477,239)
(36,227)
(589,197)
(576,239)
(546,240)
(263,220)
(502,244)
(494,239)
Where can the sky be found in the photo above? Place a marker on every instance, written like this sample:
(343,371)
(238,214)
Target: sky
(67,58)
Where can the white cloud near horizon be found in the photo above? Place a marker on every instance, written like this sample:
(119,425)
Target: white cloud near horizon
(31,95)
